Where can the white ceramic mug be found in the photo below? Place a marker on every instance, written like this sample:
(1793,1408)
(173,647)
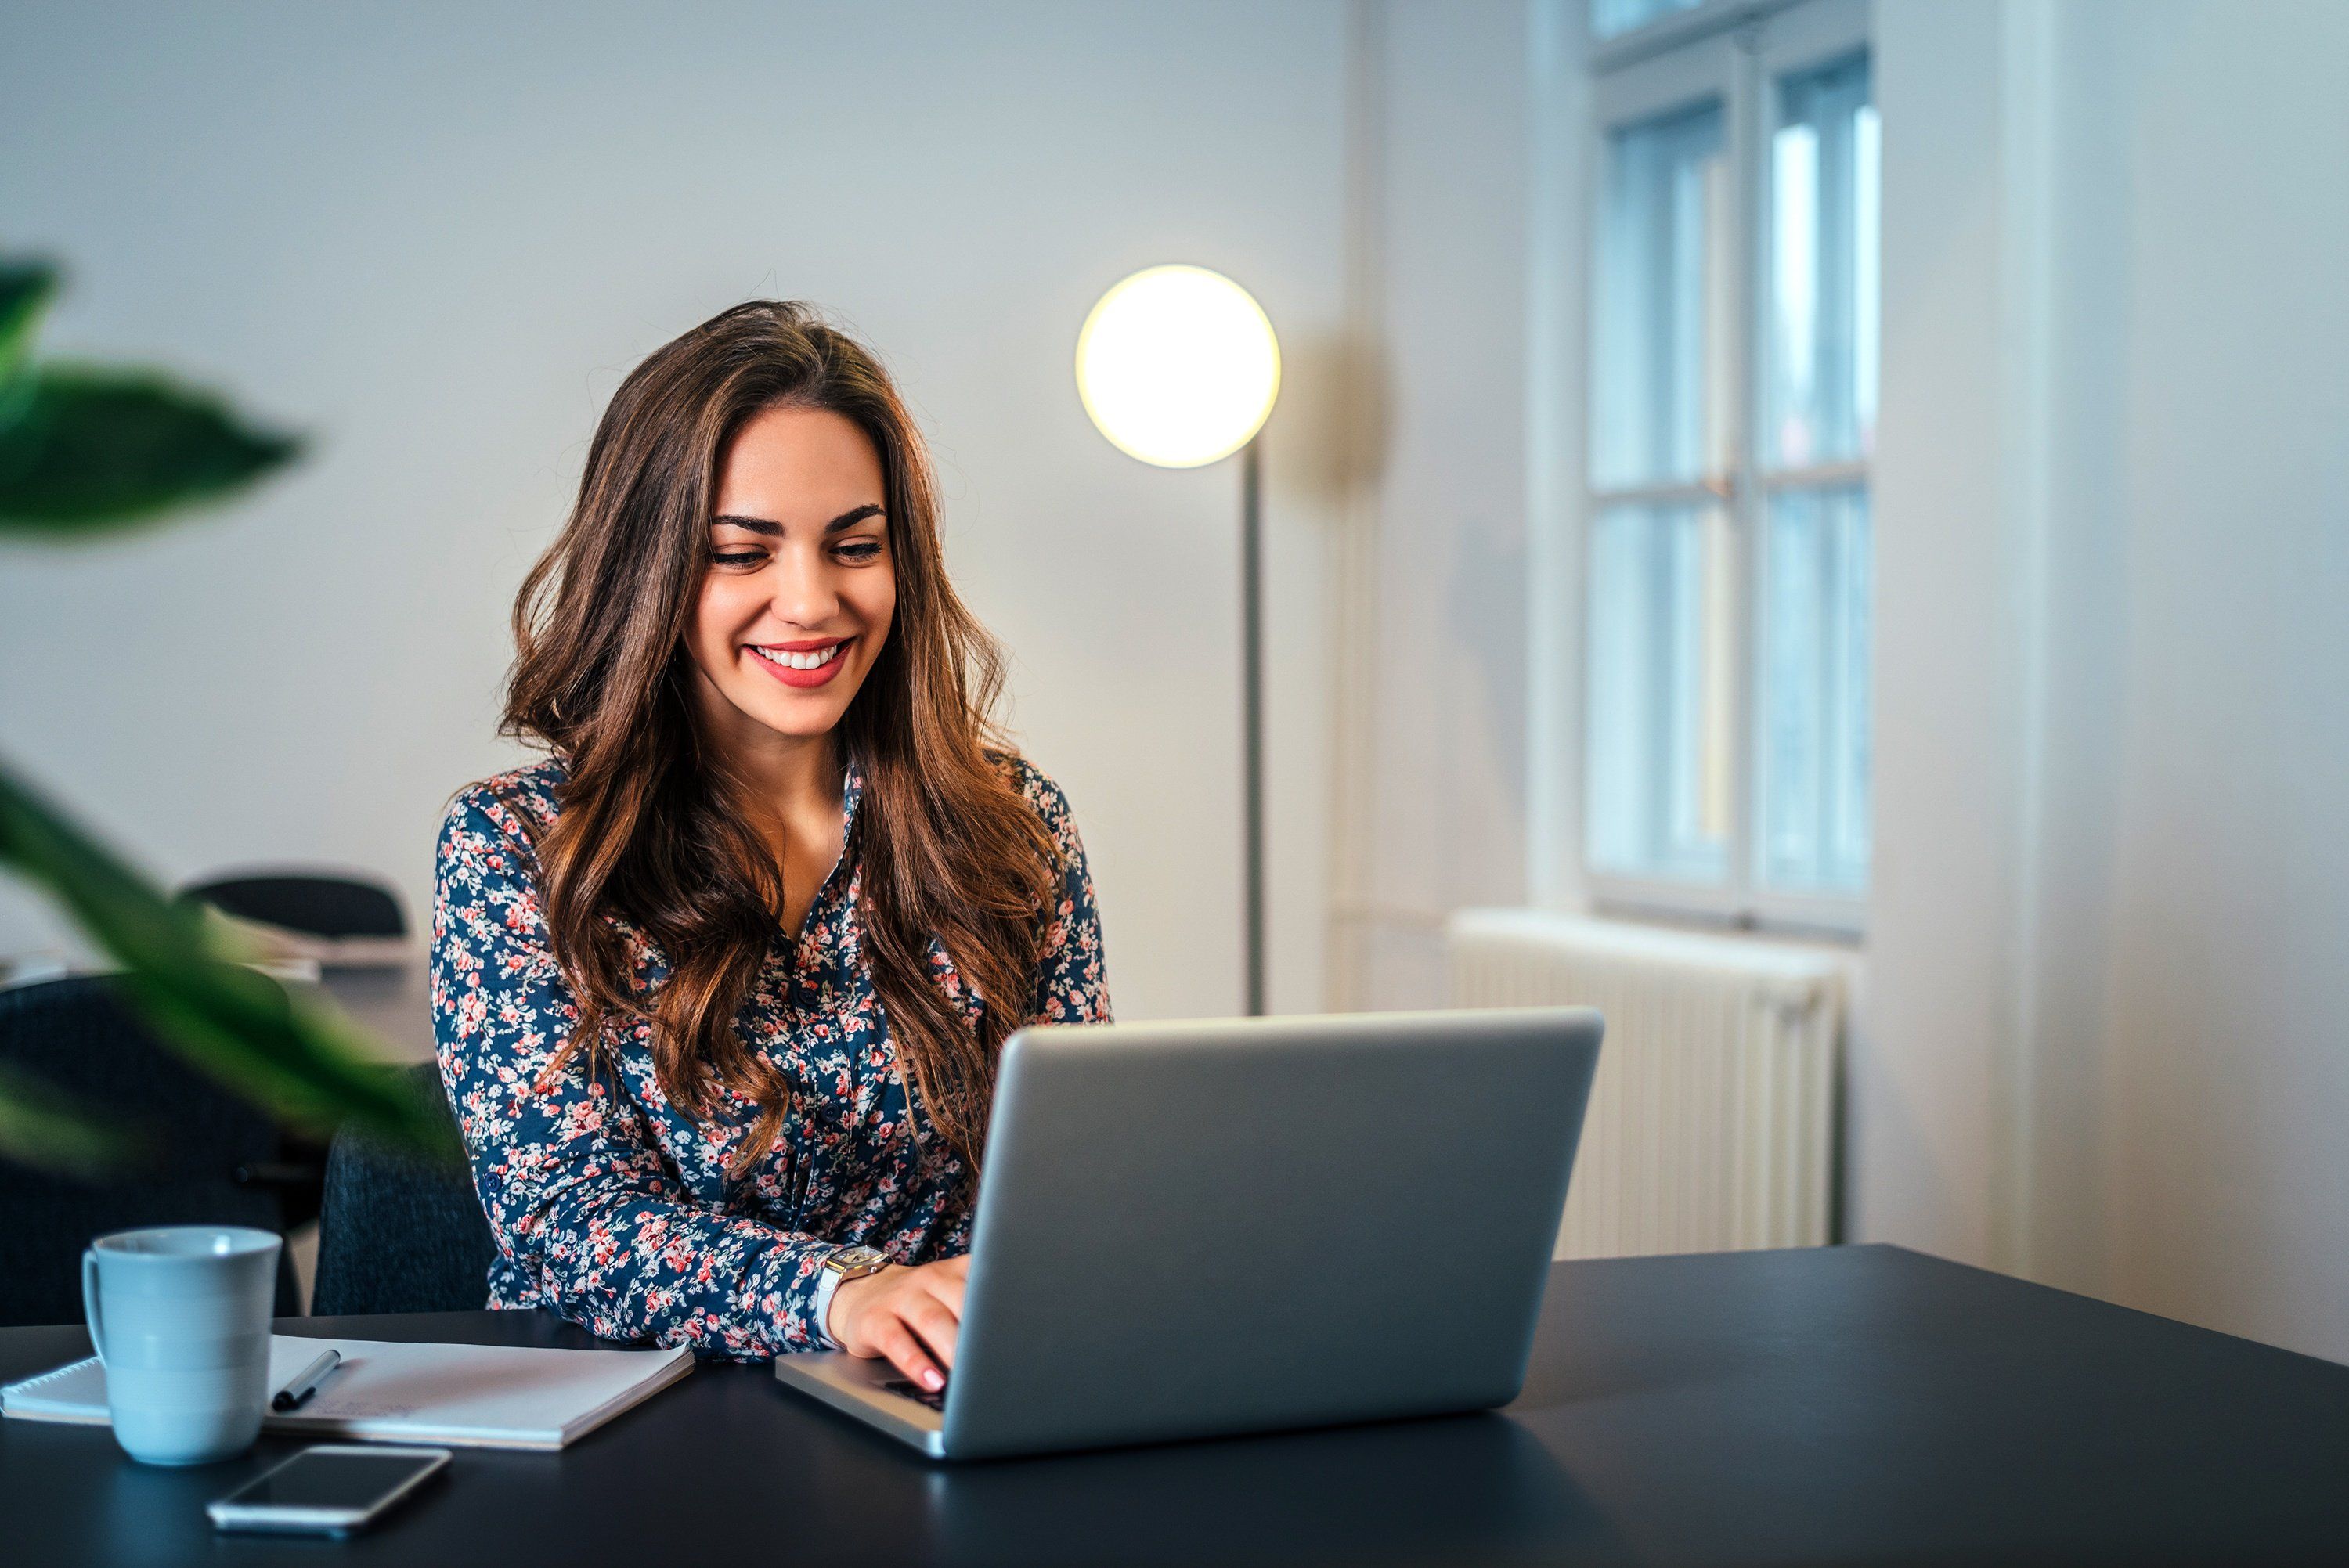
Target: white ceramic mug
(179,1316)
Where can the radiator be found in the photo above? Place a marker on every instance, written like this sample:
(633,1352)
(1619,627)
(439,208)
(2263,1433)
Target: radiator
(1711,1124)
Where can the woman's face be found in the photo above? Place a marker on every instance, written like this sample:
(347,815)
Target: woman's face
(801,587)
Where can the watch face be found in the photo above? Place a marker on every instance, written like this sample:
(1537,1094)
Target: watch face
(859,1258)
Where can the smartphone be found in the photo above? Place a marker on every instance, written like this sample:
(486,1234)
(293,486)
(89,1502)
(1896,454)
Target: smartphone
(331,1489)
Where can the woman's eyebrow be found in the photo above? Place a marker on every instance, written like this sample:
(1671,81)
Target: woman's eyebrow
(768,526)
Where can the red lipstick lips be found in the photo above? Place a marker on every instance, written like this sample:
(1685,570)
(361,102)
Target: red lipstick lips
(803,679)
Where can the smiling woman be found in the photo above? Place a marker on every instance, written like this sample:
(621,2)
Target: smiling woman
(719,986)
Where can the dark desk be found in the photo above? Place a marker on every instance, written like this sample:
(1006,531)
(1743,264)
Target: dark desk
(1845,1405)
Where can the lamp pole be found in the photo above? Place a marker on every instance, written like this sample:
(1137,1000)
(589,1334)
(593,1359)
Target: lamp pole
(1252,721)
(1178,366)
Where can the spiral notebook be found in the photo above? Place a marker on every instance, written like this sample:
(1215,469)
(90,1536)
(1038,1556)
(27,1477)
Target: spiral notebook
(470,1396)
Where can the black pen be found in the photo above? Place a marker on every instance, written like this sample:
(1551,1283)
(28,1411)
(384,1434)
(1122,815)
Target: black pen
(305,1383)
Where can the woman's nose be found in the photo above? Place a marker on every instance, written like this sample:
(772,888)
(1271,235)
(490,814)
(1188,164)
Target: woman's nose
(803,592)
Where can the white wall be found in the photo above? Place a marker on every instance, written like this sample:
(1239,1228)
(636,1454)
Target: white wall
(1925,1052)
(434,236)
(1442,752)
(2226,1036)
(2110,944)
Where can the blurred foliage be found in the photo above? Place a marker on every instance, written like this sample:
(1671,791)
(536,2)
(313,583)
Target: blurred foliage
(91,450)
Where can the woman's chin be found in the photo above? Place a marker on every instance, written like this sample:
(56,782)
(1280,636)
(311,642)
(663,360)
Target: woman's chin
(801,721)
(803,716)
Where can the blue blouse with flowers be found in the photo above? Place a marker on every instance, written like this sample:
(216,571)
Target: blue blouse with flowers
(614,1209)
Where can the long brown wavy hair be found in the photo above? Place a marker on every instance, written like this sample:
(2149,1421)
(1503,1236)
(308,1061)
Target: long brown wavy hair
(653,829)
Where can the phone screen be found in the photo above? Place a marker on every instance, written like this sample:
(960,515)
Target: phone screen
(338,1480)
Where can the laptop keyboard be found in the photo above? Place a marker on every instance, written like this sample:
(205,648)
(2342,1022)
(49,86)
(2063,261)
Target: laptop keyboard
(915,1392)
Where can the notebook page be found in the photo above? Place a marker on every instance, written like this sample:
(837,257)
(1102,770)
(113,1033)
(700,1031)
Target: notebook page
(485,1395)
(74,1392)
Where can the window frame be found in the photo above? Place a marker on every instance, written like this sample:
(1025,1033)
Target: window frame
(1670,30)
(1735,51)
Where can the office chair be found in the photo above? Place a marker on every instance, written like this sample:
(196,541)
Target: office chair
(399,1233)
(209,1157)
(333,907)
(337,919)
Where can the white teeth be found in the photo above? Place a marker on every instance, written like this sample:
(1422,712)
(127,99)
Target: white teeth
(814,659)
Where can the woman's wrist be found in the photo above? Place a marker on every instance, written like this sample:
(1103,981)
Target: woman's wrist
(833,1306)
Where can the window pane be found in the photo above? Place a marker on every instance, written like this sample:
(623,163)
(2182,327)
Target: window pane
(1822,298)
(1659,763)
(1612,19)
(1660,369)
(1814,691)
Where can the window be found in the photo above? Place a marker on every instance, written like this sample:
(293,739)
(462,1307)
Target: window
(1732,410)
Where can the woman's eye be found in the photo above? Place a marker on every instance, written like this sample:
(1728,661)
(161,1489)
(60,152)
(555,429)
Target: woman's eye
(861,550)
(738,557)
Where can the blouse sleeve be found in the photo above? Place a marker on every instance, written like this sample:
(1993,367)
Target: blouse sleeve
(581,1200)
(1072,984)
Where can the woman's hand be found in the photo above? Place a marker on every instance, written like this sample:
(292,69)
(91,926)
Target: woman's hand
(910,1313)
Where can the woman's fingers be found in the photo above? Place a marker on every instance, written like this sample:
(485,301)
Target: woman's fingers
(895,1341)
(936,1323)
(912,1315)
(948,1282)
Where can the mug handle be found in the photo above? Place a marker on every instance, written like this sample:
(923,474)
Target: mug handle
(89,1302)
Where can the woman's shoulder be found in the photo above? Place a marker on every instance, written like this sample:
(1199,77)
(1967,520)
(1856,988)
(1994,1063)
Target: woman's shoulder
(1038,790)
(1034,784)
(518,804)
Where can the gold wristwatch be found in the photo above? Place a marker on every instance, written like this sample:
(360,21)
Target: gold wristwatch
(854,1262)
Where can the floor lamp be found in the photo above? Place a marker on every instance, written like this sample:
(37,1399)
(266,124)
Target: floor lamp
(1178,366)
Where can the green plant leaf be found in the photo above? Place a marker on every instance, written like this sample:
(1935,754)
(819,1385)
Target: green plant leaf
(25,290)
(43,1126)
(301,1059)
(83,448)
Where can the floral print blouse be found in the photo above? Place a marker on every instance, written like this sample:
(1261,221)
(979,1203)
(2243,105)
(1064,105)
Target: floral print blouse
(614,1209)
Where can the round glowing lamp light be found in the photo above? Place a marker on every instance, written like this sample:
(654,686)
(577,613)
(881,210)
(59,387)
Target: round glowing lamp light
(1178,366)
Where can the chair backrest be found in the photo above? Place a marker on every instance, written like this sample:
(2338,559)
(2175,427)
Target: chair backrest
(316,904)
(397,1233)
(211,1155)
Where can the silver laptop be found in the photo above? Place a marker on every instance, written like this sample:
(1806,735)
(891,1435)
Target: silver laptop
(1198,1228)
